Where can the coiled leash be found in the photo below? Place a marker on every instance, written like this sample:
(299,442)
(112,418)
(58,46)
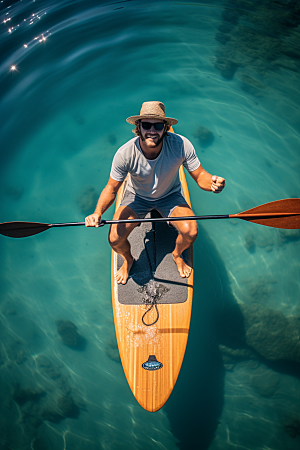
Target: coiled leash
(152,301)
(149,309)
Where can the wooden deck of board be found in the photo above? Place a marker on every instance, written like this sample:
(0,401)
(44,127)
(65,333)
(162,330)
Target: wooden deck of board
(166,339)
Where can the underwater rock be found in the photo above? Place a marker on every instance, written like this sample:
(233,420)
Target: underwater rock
(43,361)
(87,200)
(286,63)
(30,416)
(292,427)
(56,440)
(259,290)
(266,385)
(15,193)
(23,395)
(112,139)
(250,242)
(291,44)
(64,407)
(267,333)
(253,82)
(51,415)
(112,351)
(264,40)
(17,353)
(253,44)
(47,367)
(251,363)
(265,240)
(225,27)
(236,355)
(251,85)
(228,15)
(68,408)
(69,335)
(64,386)
(241,356)
(271,334)
(289,235)
(226,66)
(204,135)
(53,371)
(222,37)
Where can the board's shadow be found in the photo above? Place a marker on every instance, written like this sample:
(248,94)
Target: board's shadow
(196,403)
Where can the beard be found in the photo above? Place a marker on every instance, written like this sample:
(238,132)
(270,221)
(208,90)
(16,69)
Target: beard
(157,143)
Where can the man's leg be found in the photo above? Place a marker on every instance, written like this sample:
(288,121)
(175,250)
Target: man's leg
(187,234)
(118,235)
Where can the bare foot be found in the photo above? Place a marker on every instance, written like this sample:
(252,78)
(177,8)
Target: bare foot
(123,273)
(183,269)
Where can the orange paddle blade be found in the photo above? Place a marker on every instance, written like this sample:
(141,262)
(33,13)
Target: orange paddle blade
(279,214)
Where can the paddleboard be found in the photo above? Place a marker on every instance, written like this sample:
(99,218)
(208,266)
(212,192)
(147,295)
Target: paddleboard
(152,310)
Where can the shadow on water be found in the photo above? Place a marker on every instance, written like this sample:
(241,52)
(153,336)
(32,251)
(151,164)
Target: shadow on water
(196,403)
(218,323)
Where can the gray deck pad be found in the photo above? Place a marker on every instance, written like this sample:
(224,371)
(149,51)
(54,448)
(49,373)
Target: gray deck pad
(154,275)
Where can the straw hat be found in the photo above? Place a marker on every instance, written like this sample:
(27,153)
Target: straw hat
(152,110)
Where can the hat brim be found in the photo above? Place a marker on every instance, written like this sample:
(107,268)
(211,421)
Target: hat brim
(134,119)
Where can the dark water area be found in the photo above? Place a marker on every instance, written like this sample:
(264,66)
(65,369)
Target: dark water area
(219,343)
(71,72)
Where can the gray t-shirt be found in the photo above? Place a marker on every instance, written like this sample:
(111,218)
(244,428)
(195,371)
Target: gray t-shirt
(156,178)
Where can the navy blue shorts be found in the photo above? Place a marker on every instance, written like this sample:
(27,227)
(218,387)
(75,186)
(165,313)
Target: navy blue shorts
(165,206)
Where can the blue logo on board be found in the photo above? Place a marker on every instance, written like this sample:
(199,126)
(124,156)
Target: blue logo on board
(152,363)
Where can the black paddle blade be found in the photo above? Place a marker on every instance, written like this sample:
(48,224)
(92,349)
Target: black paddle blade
(22,229)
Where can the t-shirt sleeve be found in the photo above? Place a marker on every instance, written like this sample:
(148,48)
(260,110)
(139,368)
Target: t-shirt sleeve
(191,161)
(118,168)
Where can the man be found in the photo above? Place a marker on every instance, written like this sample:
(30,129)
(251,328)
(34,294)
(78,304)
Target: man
(152,159)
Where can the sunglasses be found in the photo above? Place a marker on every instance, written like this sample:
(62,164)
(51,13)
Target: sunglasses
(157,126)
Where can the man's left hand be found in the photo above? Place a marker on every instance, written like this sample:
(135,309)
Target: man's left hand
(217,184)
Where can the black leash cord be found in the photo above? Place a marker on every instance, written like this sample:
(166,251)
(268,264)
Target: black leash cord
(149,309)
(153,303)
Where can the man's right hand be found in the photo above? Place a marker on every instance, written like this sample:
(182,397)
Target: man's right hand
(93,220)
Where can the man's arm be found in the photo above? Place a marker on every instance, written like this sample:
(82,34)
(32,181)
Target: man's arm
(206,181)
(106,199)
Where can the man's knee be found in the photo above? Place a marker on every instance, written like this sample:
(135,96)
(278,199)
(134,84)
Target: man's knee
(118,233)
(115,236)
(189,231)
(193,233)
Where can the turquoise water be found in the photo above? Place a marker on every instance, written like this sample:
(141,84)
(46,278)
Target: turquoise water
(81,68)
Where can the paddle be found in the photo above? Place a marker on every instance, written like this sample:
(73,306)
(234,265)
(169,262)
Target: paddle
(279,214)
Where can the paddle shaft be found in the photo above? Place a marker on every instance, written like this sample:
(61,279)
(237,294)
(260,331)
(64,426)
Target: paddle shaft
(154,219)
(176,219)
